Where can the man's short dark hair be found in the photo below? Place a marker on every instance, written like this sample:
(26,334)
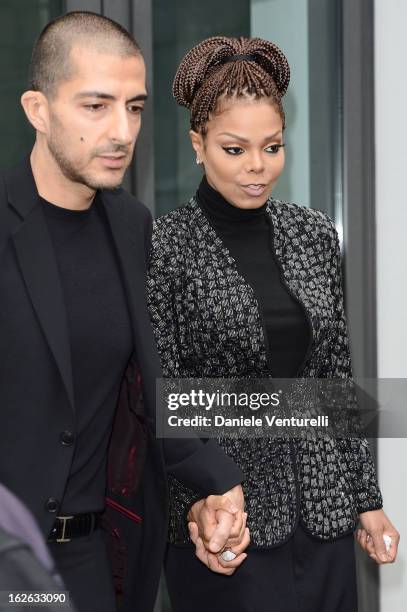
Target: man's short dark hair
(51,63)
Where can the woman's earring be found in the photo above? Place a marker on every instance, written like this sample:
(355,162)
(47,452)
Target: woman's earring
(198,161)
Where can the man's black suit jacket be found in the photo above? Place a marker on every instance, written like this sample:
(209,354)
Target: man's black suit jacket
(37,401)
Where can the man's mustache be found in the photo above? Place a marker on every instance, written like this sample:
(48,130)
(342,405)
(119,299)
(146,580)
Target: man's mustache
(112,149)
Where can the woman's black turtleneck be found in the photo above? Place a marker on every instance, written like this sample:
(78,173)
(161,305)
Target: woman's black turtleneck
(247,233)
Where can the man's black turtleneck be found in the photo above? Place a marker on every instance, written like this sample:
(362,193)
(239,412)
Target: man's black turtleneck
(247,234)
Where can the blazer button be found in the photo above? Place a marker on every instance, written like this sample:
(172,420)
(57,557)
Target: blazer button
(52,504)
(67,438)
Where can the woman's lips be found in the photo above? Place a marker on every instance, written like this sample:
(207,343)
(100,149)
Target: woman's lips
(254,190)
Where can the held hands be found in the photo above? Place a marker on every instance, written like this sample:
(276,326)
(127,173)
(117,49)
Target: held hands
(219,522)
(374,525)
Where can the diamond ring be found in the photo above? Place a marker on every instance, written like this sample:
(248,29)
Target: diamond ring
(228,555)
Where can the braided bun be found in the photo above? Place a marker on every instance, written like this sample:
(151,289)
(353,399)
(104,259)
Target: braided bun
(205,73)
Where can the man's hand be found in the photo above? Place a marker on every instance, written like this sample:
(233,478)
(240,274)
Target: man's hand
(374,525)
(214,561)
(219,519)
(218,522)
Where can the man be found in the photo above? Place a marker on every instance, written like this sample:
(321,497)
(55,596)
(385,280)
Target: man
(75,332)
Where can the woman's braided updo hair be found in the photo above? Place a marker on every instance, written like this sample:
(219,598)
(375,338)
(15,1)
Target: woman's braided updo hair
(221,66)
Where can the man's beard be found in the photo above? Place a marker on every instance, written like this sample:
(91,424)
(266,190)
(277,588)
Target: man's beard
(71,172)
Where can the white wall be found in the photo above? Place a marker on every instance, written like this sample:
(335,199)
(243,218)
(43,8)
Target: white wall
(391,207)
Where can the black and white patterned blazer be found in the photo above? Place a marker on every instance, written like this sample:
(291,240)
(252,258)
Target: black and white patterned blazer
(207,323)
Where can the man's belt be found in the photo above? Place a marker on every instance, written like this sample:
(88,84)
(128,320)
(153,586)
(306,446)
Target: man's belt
(67,528)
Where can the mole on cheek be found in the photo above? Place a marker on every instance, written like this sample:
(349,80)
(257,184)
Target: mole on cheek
(82,139)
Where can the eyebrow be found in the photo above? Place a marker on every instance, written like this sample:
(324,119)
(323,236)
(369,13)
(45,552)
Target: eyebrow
(242,139)
(104,96)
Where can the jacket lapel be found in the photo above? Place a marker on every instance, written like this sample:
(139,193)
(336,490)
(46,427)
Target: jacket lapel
(128,233)
(39,268)
(125,238)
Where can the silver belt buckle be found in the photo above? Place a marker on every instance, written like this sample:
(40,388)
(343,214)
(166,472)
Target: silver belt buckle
(64,519)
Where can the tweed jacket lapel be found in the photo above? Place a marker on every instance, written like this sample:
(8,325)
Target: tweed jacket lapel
(292,263)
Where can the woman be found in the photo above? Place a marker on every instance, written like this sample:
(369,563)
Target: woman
(243,285)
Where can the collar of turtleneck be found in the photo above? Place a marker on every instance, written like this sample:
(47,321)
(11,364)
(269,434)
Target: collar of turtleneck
(218,209)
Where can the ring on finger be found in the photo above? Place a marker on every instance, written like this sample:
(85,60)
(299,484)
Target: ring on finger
(228,555)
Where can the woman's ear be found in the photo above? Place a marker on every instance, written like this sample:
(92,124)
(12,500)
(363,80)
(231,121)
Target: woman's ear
(197,144)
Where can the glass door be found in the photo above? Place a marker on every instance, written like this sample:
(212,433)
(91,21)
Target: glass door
(20,24)
(178,26)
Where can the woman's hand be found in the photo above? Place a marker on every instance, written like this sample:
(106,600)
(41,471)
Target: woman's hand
(216,523)
(374,525)
(215,562)
(219,519)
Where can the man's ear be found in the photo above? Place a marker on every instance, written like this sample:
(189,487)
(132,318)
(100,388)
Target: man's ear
(197,143)
(35,106)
